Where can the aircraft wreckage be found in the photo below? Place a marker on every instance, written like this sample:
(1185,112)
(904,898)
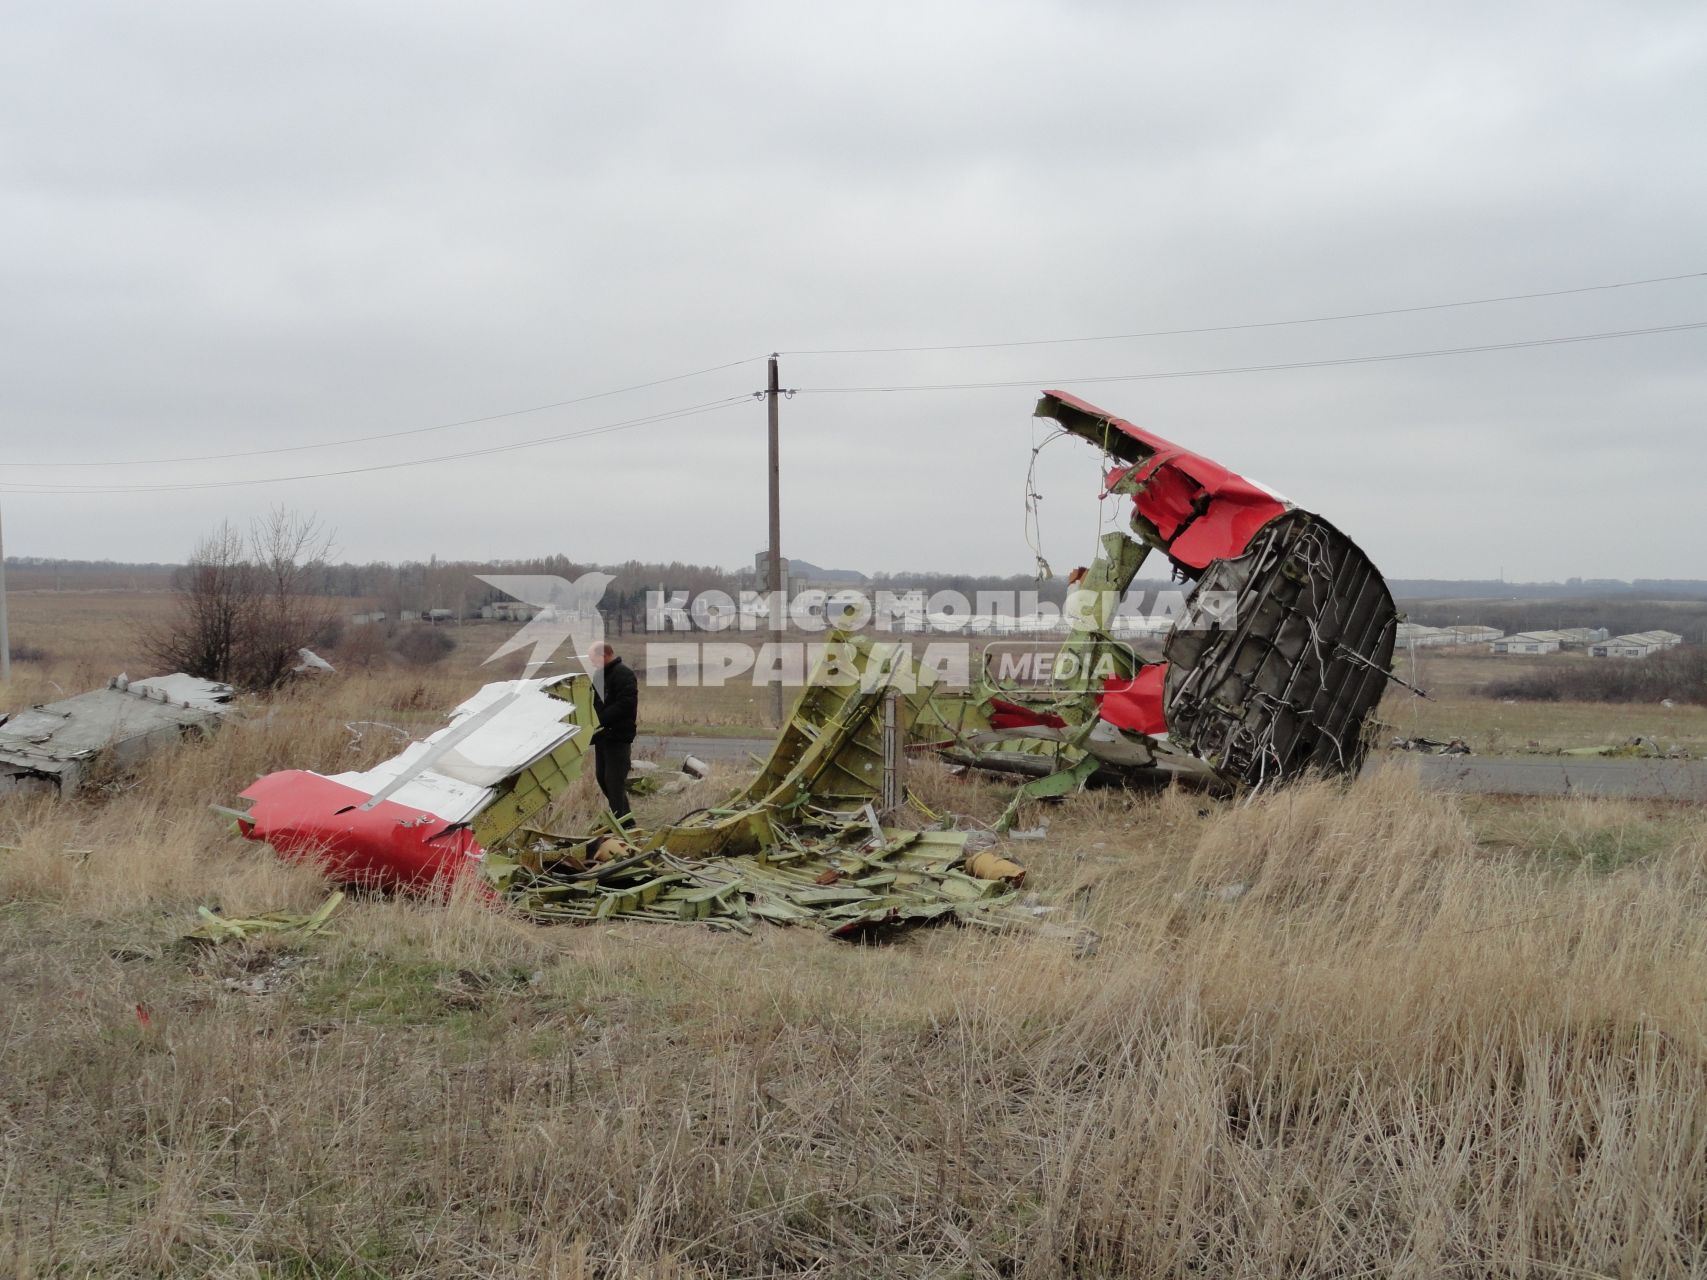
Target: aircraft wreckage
(59,746)
(801,843)
(1285,649)
(1284,652)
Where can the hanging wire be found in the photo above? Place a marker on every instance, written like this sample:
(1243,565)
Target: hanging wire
(1033,526)
(669,415)
(390,435)
(1259,324)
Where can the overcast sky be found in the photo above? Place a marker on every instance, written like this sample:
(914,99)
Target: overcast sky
(237,227)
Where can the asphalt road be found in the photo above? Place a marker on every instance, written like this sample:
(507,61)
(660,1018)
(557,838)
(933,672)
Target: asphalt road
(1541,776)
(1558,776)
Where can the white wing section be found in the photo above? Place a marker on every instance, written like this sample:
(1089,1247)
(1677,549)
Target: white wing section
(498,732)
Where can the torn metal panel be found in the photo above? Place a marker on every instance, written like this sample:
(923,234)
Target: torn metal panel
(55,746)
(305,815)
(828,759)
(311,663)
(1191,508)
(1277,678)
(429,812)
(1287,685)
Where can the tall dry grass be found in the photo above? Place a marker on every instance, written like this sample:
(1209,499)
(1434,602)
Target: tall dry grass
(1334,1031)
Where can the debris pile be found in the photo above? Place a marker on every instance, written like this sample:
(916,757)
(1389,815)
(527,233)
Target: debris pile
(1285,650)
(846,880)
(1637,748)
(802,844)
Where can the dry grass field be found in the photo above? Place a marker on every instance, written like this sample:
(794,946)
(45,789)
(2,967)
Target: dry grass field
(1454,709)
(1360,1030)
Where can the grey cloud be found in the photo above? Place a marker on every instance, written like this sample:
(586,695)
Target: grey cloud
(231,227)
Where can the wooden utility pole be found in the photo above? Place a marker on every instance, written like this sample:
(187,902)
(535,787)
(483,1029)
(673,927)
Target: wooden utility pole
(778,609)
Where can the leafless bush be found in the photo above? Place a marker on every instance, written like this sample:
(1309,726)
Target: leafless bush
(244,605)
(423,646)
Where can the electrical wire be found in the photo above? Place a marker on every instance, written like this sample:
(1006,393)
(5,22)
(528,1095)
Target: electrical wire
(1264,368)
(394,435)
(1261,324)
(710,406)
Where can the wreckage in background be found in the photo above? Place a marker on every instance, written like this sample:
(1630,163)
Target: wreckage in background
(56,746)
(1285,650)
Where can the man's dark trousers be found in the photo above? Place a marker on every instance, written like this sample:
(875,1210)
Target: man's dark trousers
(611,764)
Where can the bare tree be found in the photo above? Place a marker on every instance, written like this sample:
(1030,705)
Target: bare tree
(245,602)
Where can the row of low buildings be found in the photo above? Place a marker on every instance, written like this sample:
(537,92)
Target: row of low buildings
(1551,641)
(503,611)
(1598,641)
(1414,633)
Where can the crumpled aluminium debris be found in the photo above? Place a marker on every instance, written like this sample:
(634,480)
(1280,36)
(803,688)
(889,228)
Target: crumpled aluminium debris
(802,843)
(215,928)
(847,881)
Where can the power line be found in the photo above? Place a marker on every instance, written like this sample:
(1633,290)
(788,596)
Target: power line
(1266,368)
(394,435)
(1261,324)
(710,406)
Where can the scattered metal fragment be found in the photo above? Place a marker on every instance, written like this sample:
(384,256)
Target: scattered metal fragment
(58,745)
(840,880)
(1631,748)
(216,928)
(1433,747)
(311,663)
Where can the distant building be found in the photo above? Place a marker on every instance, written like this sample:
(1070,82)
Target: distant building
(1415,633)
(363,619)
(1529,642)
(1582,637)
(1639,645)
(440,615)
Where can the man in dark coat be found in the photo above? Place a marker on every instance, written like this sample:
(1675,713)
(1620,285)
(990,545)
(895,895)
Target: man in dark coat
(616,698)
